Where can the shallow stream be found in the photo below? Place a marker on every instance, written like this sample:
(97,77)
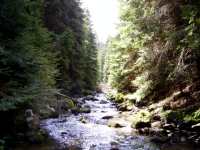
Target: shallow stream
(90,132)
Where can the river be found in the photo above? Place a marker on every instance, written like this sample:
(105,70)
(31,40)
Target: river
(89,131)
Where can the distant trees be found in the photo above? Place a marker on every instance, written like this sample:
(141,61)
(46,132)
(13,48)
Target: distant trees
(75,45)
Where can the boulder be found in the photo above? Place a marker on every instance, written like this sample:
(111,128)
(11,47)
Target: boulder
(156,118)
(142,124)
(157,124)
(169,126)
(32,120)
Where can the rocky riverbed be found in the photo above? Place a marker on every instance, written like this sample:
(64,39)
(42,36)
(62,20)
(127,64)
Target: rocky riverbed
(100,126)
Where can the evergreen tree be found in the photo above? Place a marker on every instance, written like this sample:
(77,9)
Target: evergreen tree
(156,48)
(28,65)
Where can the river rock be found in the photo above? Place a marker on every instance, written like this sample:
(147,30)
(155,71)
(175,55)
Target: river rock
(85,109)
(103,102)
(185,125)
(107,117)
(157,124)
(183,139)
(169,126)
(144,131)
(83,120)
(90,97)
(51,112)
(156,118)
(142,124)
(196,127)
(115,124)
(75,110)
(157,131)
(32,120)
(122,108)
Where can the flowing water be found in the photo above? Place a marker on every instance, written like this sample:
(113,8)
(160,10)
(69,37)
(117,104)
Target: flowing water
(90,132)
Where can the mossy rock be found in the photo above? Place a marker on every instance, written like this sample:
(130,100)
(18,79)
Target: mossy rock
(182,115)
(141,116)
(118,98)
(70,103)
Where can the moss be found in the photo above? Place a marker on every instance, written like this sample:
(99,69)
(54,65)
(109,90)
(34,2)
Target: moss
(119,98)
(116,97)
(70,103)
(182,115)
(141,116)
(193,116)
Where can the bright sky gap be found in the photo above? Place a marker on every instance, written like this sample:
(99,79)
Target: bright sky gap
(104,17)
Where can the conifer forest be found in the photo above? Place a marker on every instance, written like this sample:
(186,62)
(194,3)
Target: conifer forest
(62,88)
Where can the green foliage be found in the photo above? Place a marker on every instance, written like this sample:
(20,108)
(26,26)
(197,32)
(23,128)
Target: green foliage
(193,116)
(70,103)
(76,47)
(141,116)
(28,64)
(155,50)
(35,61)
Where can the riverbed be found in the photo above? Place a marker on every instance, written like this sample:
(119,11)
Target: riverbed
(89,131)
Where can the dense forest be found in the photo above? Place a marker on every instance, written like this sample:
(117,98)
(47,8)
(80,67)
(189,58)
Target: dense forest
(49,56)
(46,47)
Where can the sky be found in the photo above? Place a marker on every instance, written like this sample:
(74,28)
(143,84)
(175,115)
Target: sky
(104,17)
